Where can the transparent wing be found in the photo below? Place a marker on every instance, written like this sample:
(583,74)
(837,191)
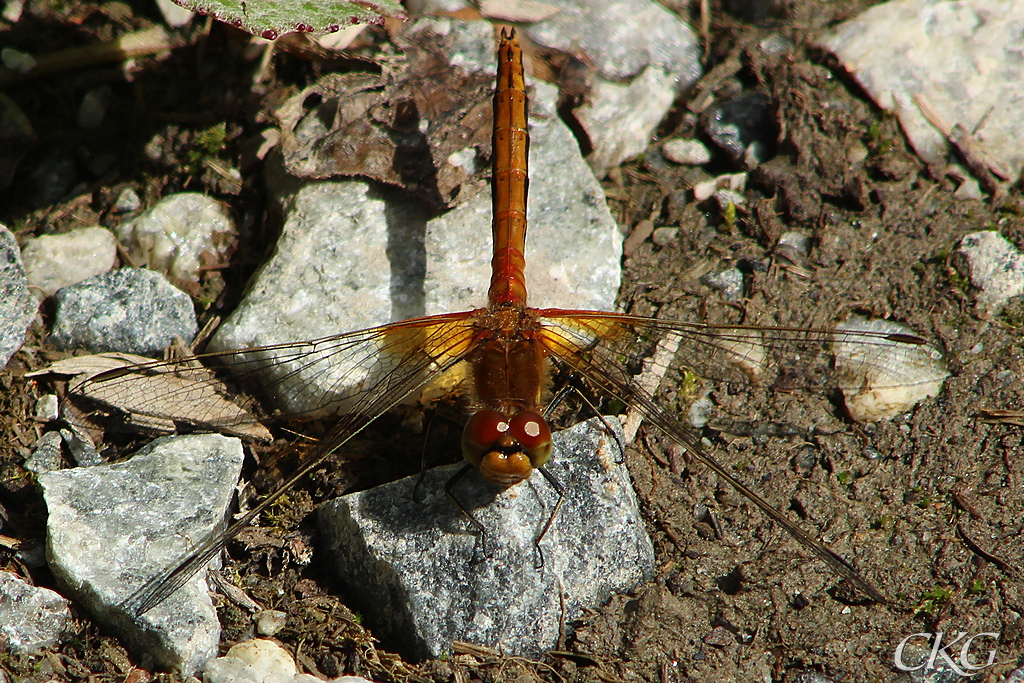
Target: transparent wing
(610,351)
(392,361)
(345,372)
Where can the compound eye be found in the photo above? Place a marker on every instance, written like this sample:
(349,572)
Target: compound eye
(483,430)
(531,430)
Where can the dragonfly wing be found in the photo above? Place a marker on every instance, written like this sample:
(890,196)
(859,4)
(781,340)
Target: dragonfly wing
(851,356)
(603,348)
(184,391)
(415,353)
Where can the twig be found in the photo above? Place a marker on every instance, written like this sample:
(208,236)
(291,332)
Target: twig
(981,552)
(981,163)
(137,44)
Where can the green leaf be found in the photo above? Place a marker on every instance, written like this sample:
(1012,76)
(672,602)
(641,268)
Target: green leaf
(272,18)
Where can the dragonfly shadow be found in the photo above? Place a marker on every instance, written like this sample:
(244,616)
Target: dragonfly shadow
(395,509)
(406,219)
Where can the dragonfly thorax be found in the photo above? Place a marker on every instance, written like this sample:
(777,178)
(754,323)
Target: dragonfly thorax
(506,450)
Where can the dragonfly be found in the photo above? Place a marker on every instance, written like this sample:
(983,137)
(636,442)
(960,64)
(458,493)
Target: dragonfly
(507,351)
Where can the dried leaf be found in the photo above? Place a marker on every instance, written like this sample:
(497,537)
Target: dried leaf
(422,130)
(157,396)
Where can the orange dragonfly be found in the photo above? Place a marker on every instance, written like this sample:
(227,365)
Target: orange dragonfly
(508,350)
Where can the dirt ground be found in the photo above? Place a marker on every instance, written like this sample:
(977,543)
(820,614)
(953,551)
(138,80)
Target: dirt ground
(929,506)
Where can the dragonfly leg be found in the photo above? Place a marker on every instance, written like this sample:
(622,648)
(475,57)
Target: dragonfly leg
(572,386)
(466,513)
(418,494)
(560,490)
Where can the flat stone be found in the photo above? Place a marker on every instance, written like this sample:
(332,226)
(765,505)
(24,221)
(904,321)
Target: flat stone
(174,235)
(131,310)
(55,261)
(994,266)
(426,579)
(17,305)
(31,618)
(644,56)
(145,514)
(962,57)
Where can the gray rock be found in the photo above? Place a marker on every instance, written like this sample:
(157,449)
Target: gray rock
(270,621)
(17,305)
(47,408)
(81,447)
(644,56)
(962,58)
(665,235)
(131,310)
(352,256)
(417,565)
(55,261)
(729,282)
(31,618)
(46,456)
(994,266)
(174,235)
(145,514)
(127,201)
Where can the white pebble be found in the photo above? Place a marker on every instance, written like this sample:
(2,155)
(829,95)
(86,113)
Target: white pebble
(688,152)
(55,261)
(270,621)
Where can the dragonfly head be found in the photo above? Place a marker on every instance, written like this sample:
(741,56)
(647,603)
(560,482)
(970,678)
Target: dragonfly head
(506,450)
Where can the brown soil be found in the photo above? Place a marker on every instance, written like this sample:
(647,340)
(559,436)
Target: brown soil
(929,506)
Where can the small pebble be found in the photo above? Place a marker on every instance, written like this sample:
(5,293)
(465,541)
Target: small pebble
(994,266)
(664,235)
(856,153)
(82,450)
(688,152)
(93,108)
(736,182)
(726,197)
(969,189)
(776,44)
(729,282)
(46,408)
(127,201)
(175,15)
(795,240)
(269,622)
(16,60)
